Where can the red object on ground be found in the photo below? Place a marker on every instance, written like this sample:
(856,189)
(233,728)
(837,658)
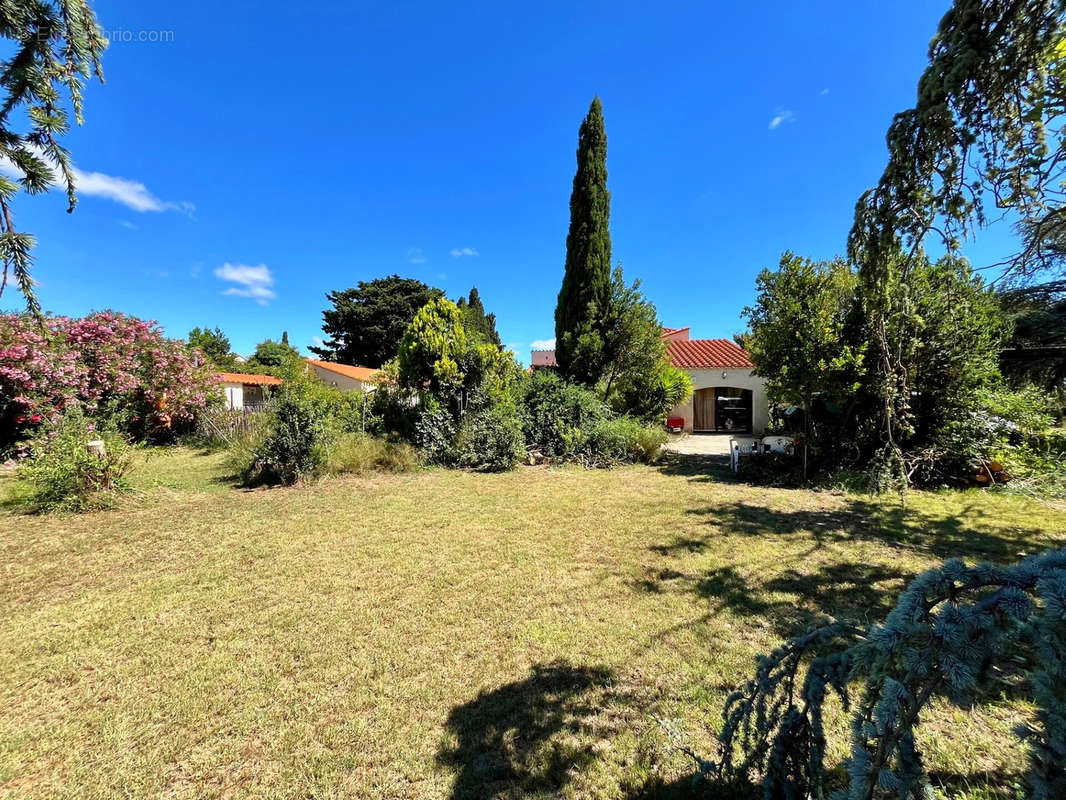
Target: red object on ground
(675,422)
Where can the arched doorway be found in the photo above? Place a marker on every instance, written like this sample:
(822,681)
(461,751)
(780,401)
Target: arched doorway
(724,409)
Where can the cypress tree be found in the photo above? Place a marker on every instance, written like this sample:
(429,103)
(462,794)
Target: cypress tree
(482,325)
(587,279)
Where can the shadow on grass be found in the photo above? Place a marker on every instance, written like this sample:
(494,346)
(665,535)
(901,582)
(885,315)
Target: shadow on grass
(793,602)
(529,736)
(697,467)
(796,599)
(945,536)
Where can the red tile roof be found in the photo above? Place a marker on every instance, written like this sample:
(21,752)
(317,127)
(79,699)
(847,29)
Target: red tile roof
(248,378)
(347,370)
(707,354)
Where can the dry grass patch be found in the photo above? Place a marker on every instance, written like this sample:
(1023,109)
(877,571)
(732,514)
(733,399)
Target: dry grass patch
(440,634)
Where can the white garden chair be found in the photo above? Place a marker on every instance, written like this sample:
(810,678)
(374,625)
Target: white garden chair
(779,444)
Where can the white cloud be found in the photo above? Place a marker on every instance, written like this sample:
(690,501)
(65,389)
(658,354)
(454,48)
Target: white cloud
(125,223)
(131,193)
(542,344)
(459,252)
(416,256)
(254,282)
(318,341)
(781,117)
(824,92)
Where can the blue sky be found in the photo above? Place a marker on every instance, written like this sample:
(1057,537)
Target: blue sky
(266,153)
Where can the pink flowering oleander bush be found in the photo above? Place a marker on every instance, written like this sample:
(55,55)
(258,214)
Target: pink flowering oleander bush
(106,364)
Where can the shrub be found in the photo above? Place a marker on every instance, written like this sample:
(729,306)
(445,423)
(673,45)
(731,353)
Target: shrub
(435,434)
(1009,427)
(352,412)
(390,410)
(1037,464)
(623,439)
(557,416)
(246,444)
(360,453)
(648,446)
(649,396)
(102,363)
(65,476)
(1029,408)
(296,440)
(490,440)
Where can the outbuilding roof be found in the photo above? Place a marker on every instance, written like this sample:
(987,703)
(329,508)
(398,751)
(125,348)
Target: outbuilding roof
(249,379)
(347,370)
(707,354)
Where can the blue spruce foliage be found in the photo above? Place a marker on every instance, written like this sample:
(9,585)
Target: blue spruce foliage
(950,629)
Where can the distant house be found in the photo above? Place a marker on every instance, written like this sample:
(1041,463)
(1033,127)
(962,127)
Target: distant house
(345,377)
(727,396)
(542,358)
(244,390)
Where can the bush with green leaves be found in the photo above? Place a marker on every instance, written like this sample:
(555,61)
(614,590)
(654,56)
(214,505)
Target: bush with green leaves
(294,441)
(1037,464)
(391,411)
(557,416)
(955,633)
(434,435)
(353,411)
(464,383)
(1029,408)
(623,440)
(490,440)
(650,395)
(1009,426)
(566,422)
(65,476)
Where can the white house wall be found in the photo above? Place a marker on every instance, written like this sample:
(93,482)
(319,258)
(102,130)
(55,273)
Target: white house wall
(342,382)
(739,378)
(234,395)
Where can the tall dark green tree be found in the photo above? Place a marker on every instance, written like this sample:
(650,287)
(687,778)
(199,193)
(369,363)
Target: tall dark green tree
(475,320)
(366,323)
(587,279)
(53,47)
(987,128)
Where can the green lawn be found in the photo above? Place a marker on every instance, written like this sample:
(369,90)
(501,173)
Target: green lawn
(445,634)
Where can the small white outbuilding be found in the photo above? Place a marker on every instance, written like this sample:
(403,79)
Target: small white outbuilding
(345,377)
(245,390)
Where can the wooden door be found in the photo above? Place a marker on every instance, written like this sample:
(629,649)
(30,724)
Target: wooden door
(703,410)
